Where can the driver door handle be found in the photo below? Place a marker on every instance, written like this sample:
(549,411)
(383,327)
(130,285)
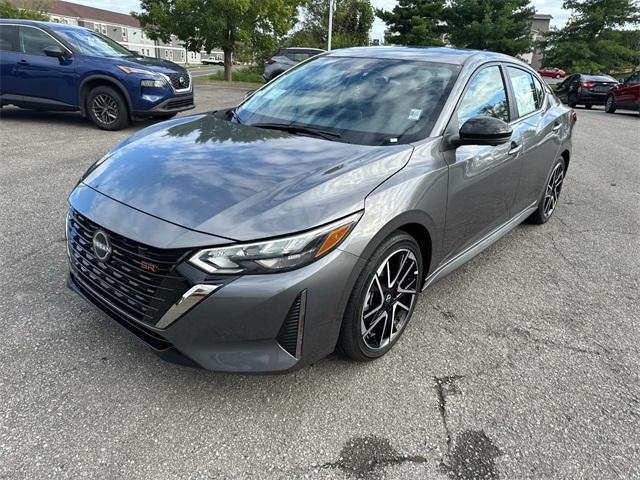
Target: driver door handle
(515,148)
(23,62)
(556,127)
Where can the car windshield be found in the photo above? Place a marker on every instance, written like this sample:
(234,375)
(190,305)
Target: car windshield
(94,44)
(360,100)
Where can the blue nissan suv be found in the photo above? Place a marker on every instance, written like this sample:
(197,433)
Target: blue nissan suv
(50,66)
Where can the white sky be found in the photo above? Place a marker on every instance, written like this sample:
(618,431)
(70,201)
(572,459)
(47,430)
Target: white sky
(552,7)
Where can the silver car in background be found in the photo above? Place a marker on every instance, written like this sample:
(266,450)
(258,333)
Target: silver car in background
(311,216)
(285,58)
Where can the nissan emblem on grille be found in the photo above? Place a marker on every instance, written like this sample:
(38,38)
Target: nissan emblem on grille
(101,246)
(181,81)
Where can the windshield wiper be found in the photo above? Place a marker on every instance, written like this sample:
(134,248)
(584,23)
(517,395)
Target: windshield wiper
(293,128)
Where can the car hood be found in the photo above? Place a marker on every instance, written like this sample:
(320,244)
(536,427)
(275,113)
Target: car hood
(157,64)
(241,182)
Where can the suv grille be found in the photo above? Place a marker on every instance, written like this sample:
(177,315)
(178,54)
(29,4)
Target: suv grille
(137,282)
(175,80)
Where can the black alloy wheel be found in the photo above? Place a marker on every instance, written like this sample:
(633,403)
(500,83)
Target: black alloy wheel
(383,299)
(551,196)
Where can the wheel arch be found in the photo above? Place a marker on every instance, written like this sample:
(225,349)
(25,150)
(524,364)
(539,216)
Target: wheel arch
(97,80)
(415,223)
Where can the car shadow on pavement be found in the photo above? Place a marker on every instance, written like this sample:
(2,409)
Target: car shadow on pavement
(58,118)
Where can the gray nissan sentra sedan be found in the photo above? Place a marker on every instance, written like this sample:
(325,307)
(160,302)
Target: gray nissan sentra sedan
(309,217)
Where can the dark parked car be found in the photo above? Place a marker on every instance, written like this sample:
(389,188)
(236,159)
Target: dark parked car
(286,58)
(587,90)
(258,238)
(625,96)
(50,66)
(552,72)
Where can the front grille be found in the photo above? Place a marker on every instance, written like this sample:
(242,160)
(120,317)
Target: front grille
(179,103)
(290,334)
(137,282)
(174,78)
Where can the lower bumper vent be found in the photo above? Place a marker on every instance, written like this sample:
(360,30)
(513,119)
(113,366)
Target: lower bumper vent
(290,334)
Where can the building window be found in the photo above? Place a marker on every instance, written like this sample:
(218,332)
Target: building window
(124,33)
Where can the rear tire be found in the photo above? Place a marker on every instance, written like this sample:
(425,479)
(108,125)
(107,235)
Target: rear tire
(107,108)
(551,194)
(383,299)
(610,104)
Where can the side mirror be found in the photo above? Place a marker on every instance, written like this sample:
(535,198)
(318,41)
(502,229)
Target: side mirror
(55,51)
(482,130)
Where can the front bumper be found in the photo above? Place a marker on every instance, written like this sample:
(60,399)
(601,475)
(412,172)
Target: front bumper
(254,323)
(171,105)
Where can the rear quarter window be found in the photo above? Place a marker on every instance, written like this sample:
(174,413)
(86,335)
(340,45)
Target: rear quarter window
(9,38)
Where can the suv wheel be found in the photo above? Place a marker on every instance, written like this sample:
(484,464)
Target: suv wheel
(107,108)
(383,299)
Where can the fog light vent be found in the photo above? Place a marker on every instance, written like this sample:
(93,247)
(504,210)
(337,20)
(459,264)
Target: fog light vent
(290,334)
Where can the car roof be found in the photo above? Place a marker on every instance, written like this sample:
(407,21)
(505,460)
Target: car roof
(302,49)
(428,54)
(36,23)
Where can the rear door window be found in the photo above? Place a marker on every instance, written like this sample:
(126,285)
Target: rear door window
(9,38)
(33,41)
(486,95)
(524,91)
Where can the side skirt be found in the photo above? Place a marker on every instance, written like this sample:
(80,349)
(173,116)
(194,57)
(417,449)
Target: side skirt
(479,246)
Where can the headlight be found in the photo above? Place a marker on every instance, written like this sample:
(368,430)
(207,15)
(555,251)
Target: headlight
(152,83)
(126,69)
(278,254)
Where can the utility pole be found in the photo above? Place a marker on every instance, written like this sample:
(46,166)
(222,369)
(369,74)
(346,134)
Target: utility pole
(330,24)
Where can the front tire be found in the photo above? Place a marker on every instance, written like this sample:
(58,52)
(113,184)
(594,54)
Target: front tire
(383,299)
(107,109)
(551,195)
(610,104)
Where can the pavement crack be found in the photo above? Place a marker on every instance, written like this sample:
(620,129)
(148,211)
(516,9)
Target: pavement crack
(528,336)
(446,386)
(569,262)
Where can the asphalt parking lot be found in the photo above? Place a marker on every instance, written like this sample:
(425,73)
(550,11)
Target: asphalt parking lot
(523,364)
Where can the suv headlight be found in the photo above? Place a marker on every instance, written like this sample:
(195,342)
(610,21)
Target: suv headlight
(152,83)
(142,71)
(278,254)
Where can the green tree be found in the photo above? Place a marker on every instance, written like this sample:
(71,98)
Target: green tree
(224,24)
(415,22)
(30,11)
(352,21)
(496,25)
(594,40)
